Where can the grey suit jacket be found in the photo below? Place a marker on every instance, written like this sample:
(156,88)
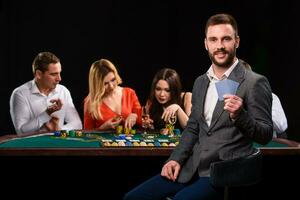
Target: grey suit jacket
(225,139)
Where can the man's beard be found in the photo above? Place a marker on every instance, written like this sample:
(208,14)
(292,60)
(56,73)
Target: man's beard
(228,62)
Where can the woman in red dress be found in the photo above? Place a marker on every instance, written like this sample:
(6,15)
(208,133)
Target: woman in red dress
(108,104)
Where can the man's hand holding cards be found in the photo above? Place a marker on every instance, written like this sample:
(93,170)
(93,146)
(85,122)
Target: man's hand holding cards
(56,105)
(226,91)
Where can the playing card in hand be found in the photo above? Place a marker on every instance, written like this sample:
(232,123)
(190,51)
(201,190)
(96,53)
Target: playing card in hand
(226,86)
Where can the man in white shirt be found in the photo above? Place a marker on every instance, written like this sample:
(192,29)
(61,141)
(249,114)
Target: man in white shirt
(42,103)
(279,119)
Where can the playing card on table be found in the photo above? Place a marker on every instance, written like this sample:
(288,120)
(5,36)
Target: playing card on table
(226,86)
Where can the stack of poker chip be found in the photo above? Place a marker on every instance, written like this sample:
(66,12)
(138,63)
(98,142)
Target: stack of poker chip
(65,133)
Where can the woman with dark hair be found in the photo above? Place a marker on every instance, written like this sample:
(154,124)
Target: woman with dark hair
(166,99)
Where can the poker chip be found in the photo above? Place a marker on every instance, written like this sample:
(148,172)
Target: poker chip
(107,139)
(57,133)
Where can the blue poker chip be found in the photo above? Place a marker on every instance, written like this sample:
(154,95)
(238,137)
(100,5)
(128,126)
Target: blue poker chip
(157,144)
(177,131)
(128,144)
(57,133)
(121,136)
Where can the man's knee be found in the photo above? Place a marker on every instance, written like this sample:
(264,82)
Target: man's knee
(130,196)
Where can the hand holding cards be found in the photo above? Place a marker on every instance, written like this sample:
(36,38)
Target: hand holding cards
(56,105)
(233,104)
(226,86)
(226,91)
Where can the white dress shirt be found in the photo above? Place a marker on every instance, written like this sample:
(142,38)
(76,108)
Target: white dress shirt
(278,116)
(211,98)
(28,108)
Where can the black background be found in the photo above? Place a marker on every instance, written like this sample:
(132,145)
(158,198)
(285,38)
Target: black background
(109,178)
(140,37)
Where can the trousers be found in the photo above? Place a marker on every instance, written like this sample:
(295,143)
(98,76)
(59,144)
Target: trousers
(158,187)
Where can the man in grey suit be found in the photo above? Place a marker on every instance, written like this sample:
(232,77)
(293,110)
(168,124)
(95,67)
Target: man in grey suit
(220,127)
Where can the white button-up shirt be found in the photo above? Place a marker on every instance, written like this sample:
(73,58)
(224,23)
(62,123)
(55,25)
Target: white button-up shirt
(211,98)
(278,116)
(28,108)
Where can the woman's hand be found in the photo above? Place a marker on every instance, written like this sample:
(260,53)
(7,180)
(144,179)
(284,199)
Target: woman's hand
(169,112)
(130,120)
(111,123)
(147,122)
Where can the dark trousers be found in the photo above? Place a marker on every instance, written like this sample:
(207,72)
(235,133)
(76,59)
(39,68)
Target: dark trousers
(158,187)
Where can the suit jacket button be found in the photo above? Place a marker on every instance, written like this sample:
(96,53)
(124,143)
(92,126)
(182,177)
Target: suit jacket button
(208,133)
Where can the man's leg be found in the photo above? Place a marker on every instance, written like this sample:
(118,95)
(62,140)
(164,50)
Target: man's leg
(157,188)
(200,189)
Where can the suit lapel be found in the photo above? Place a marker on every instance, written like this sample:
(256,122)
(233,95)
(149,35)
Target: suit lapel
(237,75)
(203,87)
(219,109)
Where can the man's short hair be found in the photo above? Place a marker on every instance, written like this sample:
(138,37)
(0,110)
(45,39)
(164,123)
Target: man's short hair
(222,19)
(42,61)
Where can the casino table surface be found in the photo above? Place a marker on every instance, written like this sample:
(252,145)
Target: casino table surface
(91,139)
(111,144)
(66,160)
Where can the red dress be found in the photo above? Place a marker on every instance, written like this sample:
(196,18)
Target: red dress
(130,104)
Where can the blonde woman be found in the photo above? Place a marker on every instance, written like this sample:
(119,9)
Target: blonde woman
(108,104)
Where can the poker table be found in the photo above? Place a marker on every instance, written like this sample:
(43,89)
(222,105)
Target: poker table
(89,143)
(85,165)
(95,143)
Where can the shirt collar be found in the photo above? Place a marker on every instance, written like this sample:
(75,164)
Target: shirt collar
(35,89)
(211,75)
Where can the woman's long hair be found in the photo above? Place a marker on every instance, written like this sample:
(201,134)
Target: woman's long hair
(99,69)
(173,79)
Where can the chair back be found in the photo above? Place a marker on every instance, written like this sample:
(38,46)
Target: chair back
(237,172)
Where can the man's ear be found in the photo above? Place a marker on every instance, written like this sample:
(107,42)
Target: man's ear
(237,44)
(38,74)
(205,44)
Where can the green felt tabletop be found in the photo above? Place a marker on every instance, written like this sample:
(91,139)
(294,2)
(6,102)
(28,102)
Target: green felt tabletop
(270,144)
(92,140)
(88,140)
(50,142)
